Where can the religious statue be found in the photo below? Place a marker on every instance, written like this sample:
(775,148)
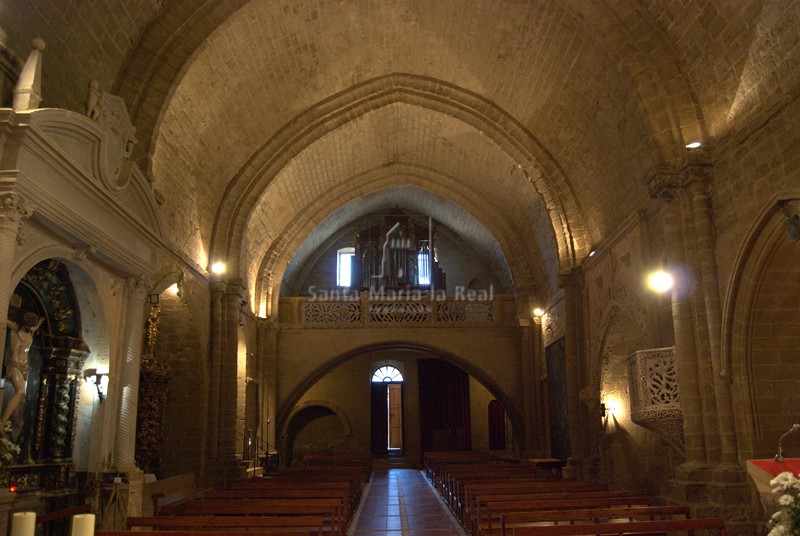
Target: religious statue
(17,367)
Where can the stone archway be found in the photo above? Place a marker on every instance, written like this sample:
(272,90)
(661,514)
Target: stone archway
(630,455)
(325,422)
(761,331)
(349,372)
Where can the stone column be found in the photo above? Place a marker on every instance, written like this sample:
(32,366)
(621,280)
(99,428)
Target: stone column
(217,322)
(529,382)
(267,349)
(128,382)
(229,364)
(697,178)
(13,209)
(664,187)
(572,284)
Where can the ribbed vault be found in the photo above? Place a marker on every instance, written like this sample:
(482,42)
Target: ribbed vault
(584,95)
(394,145)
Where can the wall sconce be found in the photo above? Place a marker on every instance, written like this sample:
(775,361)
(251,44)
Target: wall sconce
(100,381)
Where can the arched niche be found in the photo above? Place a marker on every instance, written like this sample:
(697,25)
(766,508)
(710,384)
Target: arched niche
(761,331)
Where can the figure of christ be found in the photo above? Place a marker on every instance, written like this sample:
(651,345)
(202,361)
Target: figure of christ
(17,367)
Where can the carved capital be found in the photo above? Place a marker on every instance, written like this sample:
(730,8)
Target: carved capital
(662,183)
(697,177)
(218,287)
(13,209)
(138,286)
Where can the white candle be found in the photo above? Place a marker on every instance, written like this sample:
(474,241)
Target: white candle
(82,525)
(23,523)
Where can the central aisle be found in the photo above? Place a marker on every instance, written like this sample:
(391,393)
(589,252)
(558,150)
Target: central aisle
(402,502)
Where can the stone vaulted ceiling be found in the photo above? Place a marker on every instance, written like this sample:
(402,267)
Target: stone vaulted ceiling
(257,120)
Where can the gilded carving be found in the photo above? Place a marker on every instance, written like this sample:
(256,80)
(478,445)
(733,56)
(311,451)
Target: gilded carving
(154,377)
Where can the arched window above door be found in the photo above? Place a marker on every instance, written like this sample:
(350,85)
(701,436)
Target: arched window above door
(387,374)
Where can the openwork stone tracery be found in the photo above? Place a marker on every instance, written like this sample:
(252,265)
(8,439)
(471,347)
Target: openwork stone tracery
(655,397)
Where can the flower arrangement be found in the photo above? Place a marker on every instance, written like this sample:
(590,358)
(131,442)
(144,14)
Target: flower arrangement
(786,521)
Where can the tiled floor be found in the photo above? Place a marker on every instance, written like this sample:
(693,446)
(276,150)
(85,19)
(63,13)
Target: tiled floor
(402,502)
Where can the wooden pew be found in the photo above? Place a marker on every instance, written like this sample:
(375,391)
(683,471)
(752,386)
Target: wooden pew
(432,461)
(292,490)
(264,532)
(360,460)
(351,481)
(472,491)
(483,519)
(510,520)
(172,490)
(332,510)
(637,527)
(496,509)
(454,481)
(305,523)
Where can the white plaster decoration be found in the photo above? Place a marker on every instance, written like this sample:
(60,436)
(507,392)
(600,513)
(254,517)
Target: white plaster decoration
(110,112)
(125,442)
(655,397)
(13,209)
(28,91)
(60,162)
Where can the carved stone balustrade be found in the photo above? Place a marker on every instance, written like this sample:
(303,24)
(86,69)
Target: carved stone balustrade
(365,310)
(655,397)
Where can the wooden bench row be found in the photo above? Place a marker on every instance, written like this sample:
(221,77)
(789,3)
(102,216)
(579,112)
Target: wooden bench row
(492,497)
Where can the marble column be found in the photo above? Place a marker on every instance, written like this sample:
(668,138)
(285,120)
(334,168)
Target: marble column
(13,209)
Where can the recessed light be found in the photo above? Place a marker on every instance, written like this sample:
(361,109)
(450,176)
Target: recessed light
(693,145)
